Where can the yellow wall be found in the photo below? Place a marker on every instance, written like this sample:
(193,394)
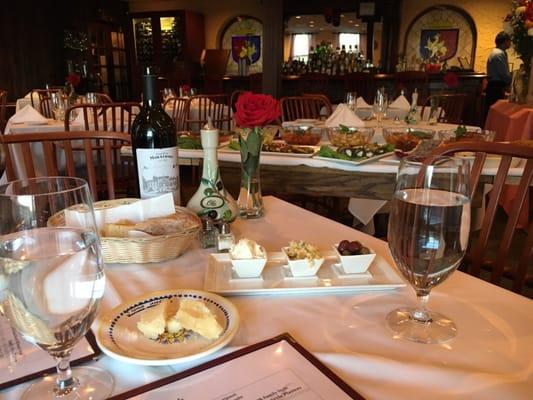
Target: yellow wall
(217,13)
(487,14)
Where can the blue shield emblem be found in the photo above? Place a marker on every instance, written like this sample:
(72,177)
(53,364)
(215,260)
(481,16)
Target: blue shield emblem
(248,46)
(438,44)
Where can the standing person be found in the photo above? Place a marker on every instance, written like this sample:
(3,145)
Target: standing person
(498,73)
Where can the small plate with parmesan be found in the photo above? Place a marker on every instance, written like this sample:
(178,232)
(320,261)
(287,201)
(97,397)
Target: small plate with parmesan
(168,327)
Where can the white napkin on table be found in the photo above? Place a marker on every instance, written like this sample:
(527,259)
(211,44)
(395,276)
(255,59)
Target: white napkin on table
(343,115)
(27,114)
(361,103)
(400,103)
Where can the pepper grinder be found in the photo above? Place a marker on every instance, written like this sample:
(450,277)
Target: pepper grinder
(225,238)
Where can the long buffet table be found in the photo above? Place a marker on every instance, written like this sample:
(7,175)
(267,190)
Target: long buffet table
(491,358)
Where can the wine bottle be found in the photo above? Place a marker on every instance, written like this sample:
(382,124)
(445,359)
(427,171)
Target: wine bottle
(155,148)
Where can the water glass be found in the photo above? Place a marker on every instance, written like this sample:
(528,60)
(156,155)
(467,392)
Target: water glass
(52,277)
(351,100)
(428,234)
(381,103)
(58,106)
(91,98)
(168,93)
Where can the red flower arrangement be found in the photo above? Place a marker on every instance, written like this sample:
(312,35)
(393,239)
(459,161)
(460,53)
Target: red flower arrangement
(73,78)
(451,79)
(256,110)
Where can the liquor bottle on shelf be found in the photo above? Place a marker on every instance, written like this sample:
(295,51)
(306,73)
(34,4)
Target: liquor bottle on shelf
(154,145)
(211,199)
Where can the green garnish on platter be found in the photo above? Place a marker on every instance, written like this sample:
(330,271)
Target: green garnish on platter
(355,153)
(190,143)
(344,129)
(460,131)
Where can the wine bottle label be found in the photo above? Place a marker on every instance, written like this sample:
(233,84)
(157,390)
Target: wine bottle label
(158,172)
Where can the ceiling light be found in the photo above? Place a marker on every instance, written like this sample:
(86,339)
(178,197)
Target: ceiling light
(342,15)
(350,21)
(298,17)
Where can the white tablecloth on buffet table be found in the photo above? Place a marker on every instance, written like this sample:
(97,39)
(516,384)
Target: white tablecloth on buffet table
(491,358)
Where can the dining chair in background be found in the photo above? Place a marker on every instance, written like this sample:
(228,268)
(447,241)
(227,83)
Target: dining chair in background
(178,111)
(505,251)
(117,117)
(309,106)
(99,98)
(45,101)
(56,150)
(450,107)
(200,107)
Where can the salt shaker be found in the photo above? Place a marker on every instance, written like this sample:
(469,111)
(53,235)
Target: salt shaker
(225,238)
(208,235)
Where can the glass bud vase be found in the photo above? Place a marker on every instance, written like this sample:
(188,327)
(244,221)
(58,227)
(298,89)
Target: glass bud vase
(250,201)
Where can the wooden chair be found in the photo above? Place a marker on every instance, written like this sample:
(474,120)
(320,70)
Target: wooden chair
(451,107)
(117,117)
(100,172)
(216,106)
(308,106)
(362,83)
(408,81)
(504,263)
(313,82)
(178,107)
(3,110)
(45,101)
(102,98)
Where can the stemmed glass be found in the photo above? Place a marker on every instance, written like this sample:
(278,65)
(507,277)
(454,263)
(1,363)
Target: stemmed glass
(381,103)
(428,234)
(58,106)
(168,93)
(52,277)
(351,100)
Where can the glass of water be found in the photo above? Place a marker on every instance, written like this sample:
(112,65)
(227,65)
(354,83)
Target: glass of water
(52,277)
(381,103)
(351,100)
(429,227)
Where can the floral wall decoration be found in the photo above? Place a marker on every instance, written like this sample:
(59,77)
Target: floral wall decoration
(243,35)
(441,34)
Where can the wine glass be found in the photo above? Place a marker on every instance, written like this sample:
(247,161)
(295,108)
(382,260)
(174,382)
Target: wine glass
(168,93)
(381,103)
(52,277)
(58,106)
(351,100)
(429,226)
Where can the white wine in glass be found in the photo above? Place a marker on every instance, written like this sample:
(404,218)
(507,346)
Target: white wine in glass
(52,278)
(429,227)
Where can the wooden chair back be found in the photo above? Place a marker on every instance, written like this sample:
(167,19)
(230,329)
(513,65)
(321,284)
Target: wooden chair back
(451,107)
(362,83)
(200,107)
(408,81)
(478,255)
(309,107)
(3,110)
(313,82)
(117,117)
(98,171)
(178,107)
(45,101)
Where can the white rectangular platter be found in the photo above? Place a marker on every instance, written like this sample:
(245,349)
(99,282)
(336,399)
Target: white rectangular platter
(276,279)
(353,162)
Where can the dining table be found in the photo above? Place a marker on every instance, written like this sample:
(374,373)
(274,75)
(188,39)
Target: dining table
(490,358)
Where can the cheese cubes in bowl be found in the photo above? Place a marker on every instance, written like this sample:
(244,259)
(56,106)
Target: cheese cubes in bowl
(303,258)
(248,258)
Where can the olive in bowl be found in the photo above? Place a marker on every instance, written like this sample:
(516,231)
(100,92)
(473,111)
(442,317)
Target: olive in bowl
(355,258)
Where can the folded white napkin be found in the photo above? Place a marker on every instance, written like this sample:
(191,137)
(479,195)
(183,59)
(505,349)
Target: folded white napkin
(343,115)
(400,103)
(27,114)
(361,103)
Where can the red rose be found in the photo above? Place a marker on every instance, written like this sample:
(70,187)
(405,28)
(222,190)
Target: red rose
(256,110)
(451,79)
(73,79)
(185,88)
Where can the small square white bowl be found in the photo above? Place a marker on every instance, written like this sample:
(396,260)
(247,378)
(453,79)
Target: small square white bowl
(357,264)
(303,267)
(248,267)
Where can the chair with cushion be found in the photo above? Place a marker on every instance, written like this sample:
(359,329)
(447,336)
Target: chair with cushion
(505,251)
(55,151)
(200,107)
(304,107)
(450,107)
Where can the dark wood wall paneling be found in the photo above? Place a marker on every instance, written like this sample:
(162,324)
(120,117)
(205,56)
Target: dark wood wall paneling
(31,38)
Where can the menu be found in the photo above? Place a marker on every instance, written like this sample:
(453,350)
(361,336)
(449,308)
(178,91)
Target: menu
(22,361)
(276,369)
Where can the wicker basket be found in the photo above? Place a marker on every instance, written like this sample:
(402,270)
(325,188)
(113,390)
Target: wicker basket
(140,250)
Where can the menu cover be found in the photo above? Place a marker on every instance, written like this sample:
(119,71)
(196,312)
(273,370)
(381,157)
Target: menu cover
(275,369)
(21,361)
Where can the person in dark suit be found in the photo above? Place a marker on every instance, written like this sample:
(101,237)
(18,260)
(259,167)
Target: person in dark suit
(498,74)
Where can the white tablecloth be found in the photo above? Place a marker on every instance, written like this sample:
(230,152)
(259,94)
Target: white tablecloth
(491,358)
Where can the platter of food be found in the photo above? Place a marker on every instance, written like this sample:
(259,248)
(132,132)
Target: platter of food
(354,155)
(168,327)
(277,148)
(301,268)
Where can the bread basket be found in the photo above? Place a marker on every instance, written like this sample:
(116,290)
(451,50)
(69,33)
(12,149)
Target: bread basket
(141,250)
